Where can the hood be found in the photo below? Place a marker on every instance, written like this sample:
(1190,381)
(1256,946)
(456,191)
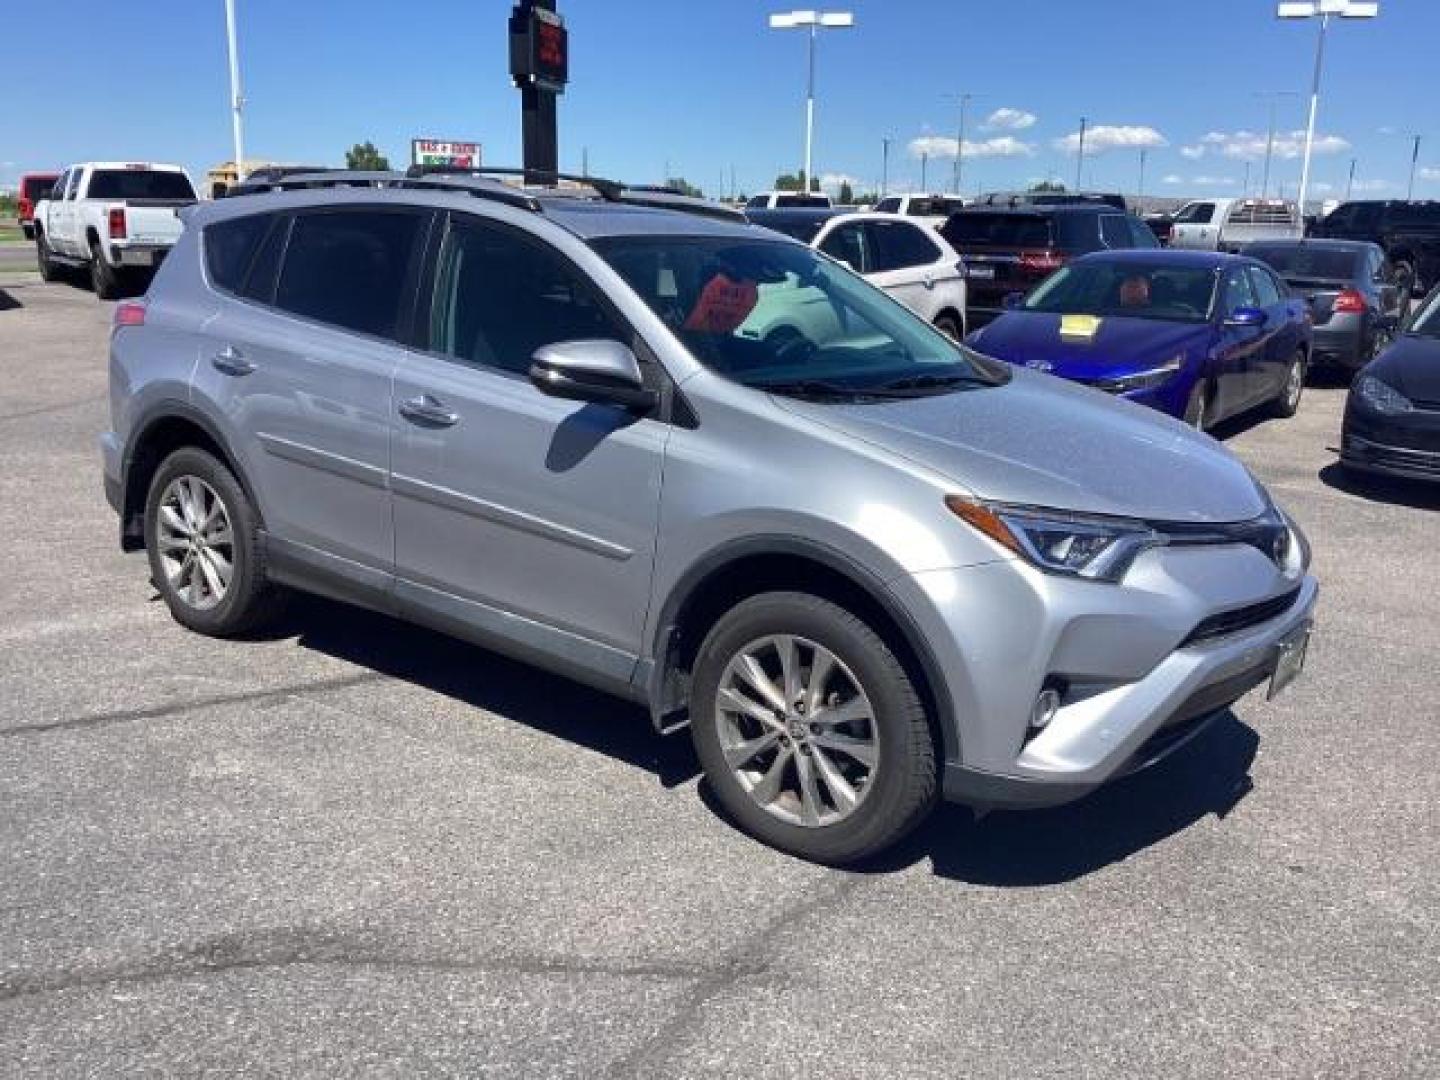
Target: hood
(1412,366)
(1040,441)
(1033,339)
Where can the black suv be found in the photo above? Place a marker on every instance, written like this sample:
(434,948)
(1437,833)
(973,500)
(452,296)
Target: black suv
(1409,232)
(1013,250)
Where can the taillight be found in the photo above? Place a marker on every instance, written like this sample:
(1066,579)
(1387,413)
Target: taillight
(1041,261)
(117,223)
(1349,302)
(129,313)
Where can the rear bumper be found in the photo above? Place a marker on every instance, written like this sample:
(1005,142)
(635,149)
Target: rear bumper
(126,253)
(1340,341)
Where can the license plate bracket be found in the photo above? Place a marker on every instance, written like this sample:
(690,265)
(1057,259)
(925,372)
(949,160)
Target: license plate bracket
(981,271)
(1290,654)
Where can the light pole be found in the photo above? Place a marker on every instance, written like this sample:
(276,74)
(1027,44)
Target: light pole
(237,101)
(1414,159)
(813,22)
(885,164)
(1273,97)
(924,169)
(1140,195)
(1309,9)
(1350,180)
(964,100)
(1080,158)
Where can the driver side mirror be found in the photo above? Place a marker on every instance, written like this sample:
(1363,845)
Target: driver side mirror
(592,370)
(1246,316)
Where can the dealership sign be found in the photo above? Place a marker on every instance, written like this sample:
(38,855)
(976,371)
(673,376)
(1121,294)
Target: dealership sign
(464,155)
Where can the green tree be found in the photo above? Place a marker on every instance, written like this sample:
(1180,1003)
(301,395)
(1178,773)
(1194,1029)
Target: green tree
(847,193)
(680,184)
(795,182)
(1049,185)
(364,156)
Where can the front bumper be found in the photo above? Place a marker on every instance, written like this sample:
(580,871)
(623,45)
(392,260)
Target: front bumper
(1137,680)
(1401,461)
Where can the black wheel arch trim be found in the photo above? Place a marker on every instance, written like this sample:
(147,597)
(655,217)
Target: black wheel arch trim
(654,668)
(158,412)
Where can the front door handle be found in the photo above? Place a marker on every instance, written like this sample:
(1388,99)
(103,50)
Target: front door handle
(428,412)
(231,361)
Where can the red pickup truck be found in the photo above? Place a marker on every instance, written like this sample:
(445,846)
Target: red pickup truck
(33,188)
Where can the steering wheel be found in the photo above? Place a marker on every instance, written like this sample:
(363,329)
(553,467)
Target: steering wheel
(790,346)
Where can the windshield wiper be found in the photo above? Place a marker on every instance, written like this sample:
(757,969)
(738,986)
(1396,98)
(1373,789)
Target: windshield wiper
(934,382)
(810,388)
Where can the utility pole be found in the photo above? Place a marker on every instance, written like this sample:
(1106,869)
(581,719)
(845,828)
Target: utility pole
(237,100)
(1350,182)
(964,100)
(1414,157)
(1080,158)
(1245,187)
(1273,98)
(585,161)
(1140,195)
(885,164)
(924,169)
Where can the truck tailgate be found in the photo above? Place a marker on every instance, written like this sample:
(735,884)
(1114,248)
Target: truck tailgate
(151,223)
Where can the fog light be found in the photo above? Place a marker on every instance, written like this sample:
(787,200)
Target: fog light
(1044,709)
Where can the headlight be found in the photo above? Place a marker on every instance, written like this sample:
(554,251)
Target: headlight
(1382,397)
(1142,380)
(1096,548)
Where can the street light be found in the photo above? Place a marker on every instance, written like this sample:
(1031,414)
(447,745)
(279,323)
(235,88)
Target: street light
(1309,9)
(964,100)
(814,22)
(237,101)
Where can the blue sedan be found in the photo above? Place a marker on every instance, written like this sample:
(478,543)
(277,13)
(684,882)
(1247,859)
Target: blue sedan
(1199,335)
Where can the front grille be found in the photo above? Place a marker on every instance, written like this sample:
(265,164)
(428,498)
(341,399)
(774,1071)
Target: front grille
(1232,622)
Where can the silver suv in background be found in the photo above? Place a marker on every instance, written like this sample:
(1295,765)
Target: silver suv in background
(866,565)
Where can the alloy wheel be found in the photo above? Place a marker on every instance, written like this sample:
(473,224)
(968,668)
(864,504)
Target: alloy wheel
(196,542)
(1294,385)
(797,730)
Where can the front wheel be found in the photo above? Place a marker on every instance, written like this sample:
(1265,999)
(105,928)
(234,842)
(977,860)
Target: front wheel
(1195,409)
(1287,402)
(809,730)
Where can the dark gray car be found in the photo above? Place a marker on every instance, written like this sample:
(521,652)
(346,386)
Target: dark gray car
(1355,299)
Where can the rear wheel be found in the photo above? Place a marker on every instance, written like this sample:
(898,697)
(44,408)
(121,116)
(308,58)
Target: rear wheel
(1405,282)
(1287,403)
(104,278)
(809,729)
(202,538)
(950,326)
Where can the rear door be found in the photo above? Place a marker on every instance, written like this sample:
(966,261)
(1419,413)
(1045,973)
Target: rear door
(66,220)
(1282,336)
(300,359)
(906,264)
(518,515)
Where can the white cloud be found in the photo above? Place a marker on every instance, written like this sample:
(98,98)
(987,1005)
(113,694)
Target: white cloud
(1213,181)
(1244,145)
(1193,153)
(1008,119)
(1104,137)
(1373,185)
(834,181)
(1430,172)
(1386,130)
(937,146)
(1172,178)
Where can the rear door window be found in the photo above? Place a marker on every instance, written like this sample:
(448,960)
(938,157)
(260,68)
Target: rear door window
(1080,232)
(1115,231)
(848,243)
(349,268)
(230,248)
(899,245)
(1267,293)
(1236,291)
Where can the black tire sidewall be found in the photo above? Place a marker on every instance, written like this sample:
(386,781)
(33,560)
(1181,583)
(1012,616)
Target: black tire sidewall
(234,613)
(104,279)
(950,322)
(891,808)
(1284,408)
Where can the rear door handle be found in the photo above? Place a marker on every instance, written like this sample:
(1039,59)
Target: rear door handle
(231,361)
(428,412)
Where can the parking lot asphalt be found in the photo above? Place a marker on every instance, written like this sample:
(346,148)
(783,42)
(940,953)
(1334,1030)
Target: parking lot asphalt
(354,846)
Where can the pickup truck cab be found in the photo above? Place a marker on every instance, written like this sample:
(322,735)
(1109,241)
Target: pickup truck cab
(113,218)
(1229,224)
(788,200)
(935,208)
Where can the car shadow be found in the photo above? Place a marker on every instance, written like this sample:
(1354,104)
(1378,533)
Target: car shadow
(1208,775)
(7,301)
(1396,491)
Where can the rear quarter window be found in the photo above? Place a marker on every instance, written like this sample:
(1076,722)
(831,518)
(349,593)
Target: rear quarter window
(230,248)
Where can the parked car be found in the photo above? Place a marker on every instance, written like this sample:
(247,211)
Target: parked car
(115,219)
(1392,415)
(872,574)
(1409,232)
(1050,198)
(935,208)
(900,255)
(1354,300)
(1199,336)
(33,187)
(1006,251)
(1230,224)
(779,200)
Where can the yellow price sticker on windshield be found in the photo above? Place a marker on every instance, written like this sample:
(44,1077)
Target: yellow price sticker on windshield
(1082,326)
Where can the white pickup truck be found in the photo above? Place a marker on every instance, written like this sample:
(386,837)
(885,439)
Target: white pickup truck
(114,218)
(1230,224)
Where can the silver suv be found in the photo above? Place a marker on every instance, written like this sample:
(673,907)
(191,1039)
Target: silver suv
(689,461)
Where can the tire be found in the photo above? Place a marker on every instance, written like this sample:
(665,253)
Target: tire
(104,279)
(246,600)
(894,774)
(1196,408)
(950,326)
(1404,272)
(1287,403)
(49,268)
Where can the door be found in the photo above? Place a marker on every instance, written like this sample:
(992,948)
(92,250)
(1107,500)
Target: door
(1281,339)
(1238,349)
(66,220)
(1195,227)
(520,516)
(904,264)
(299,359)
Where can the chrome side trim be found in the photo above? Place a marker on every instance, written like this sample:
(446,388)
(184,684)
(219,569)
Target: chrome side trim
(300,454)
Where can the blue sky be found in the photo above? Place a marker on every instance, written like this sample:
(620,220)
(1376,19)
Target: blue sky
(707,87)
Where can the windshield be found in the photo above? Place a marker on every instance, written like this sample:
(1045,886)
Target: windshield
(1127,289)
(777,316)
(812,201)
(1427,319)
(1298,261)
(139,184)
